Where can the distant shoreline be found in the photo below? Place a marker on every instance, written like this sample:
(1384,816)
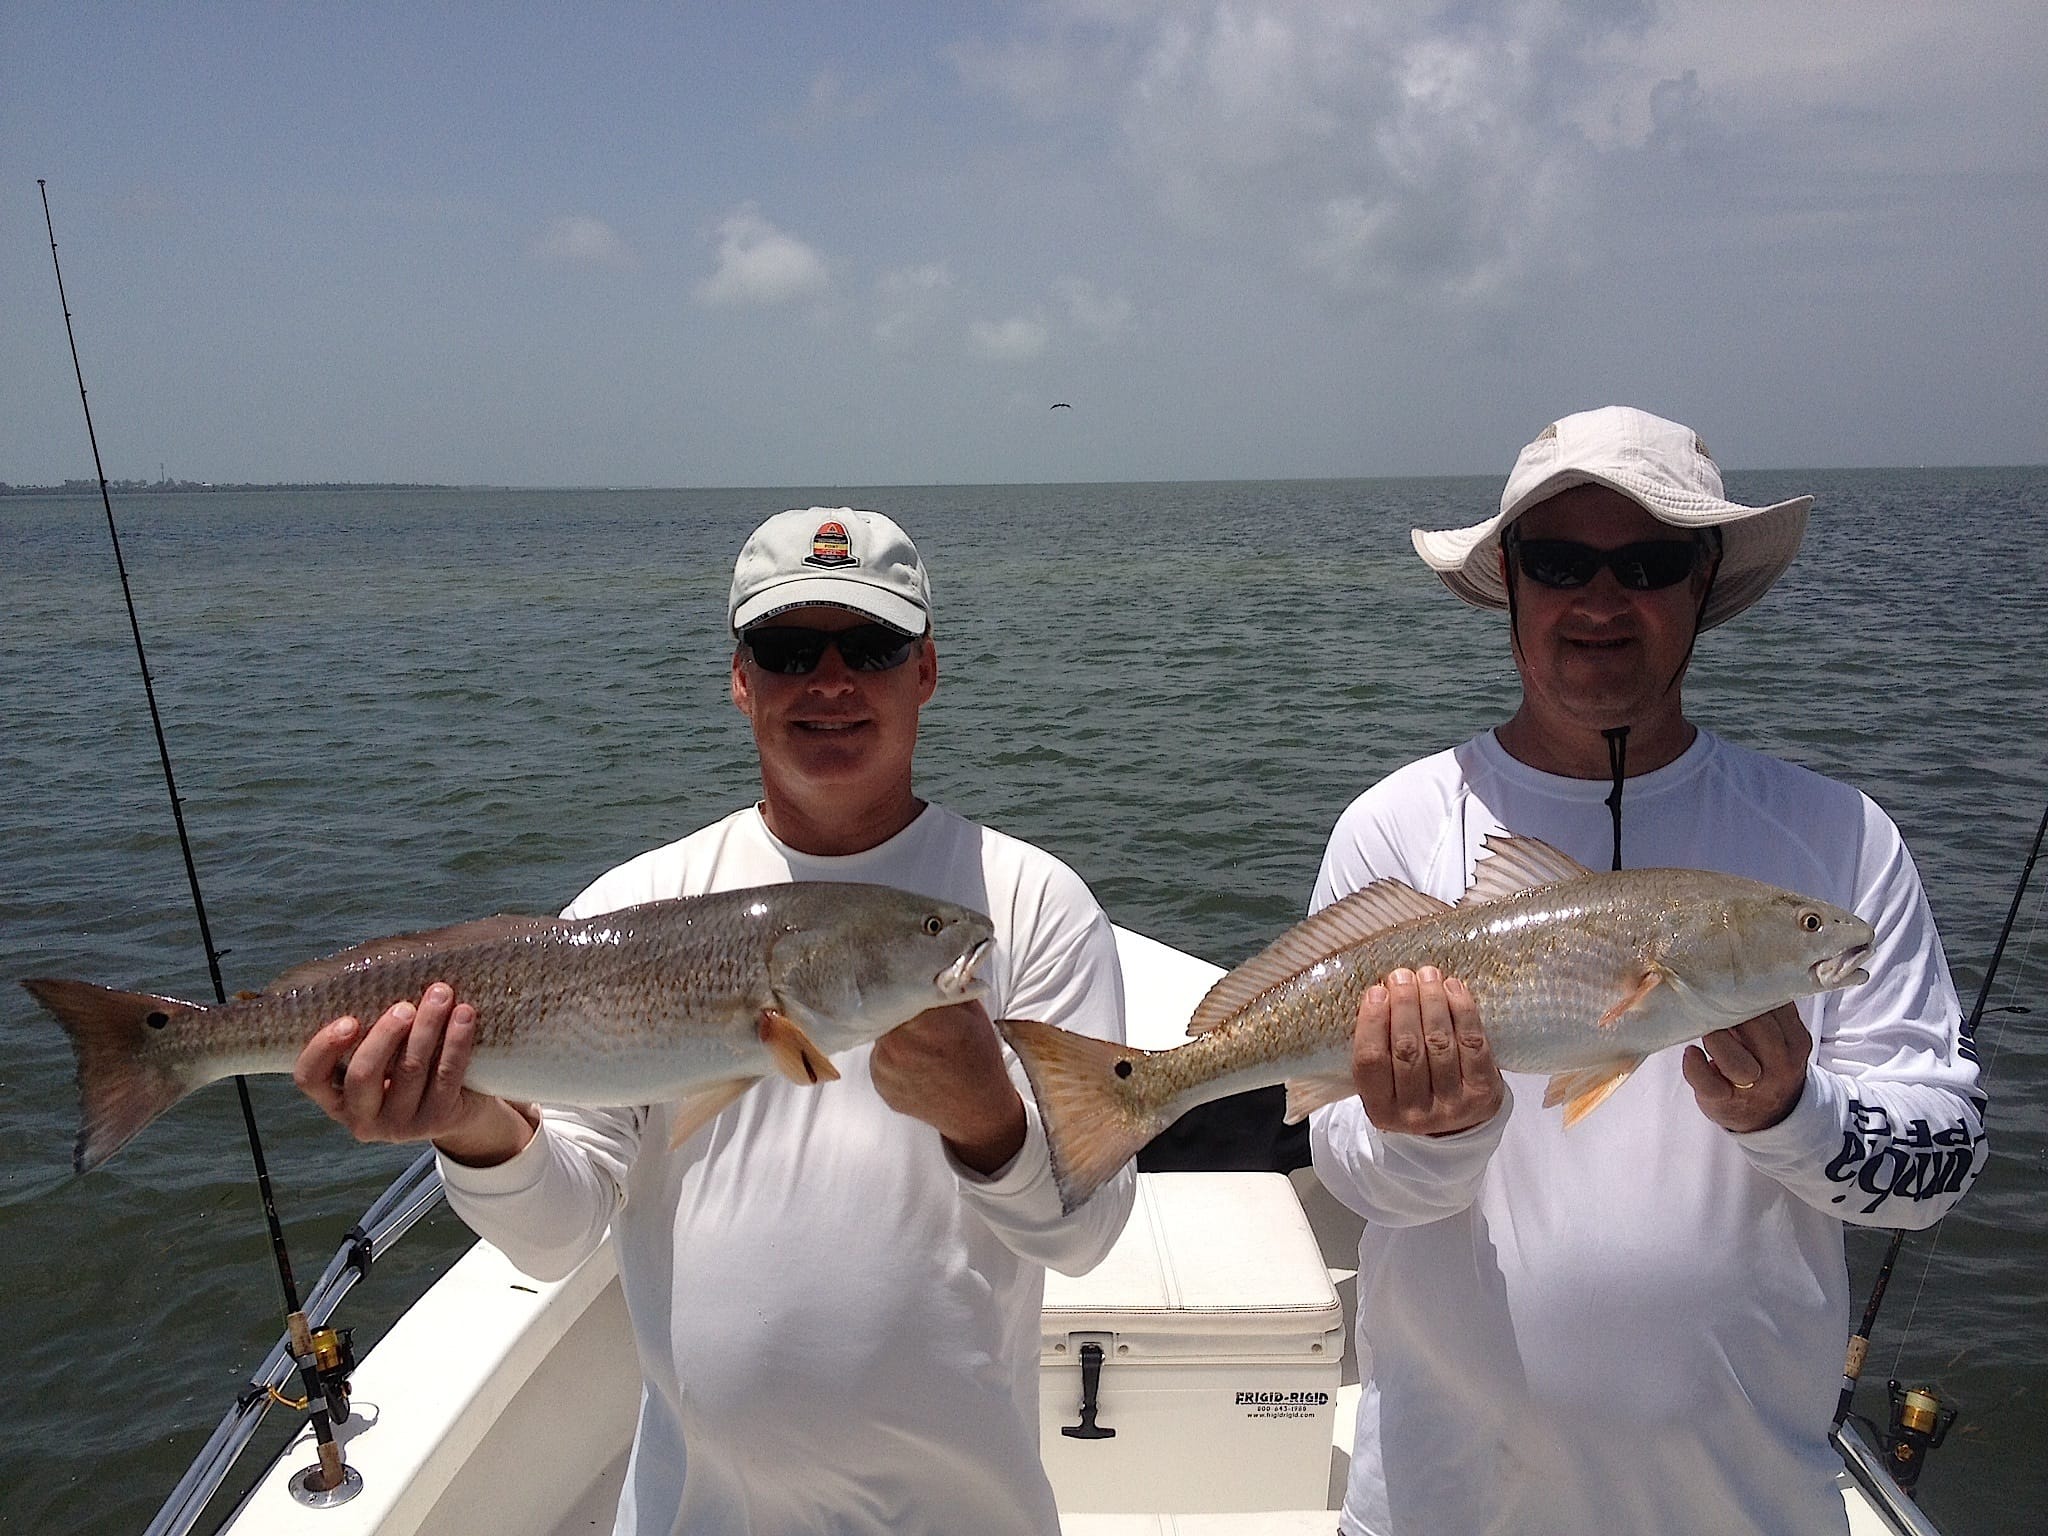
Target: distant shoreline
(159,487)
(200,487)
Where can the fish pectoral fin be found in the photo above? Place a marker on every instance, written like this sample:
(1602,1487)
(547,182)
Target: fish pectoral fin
(1585,1090)
(795,1054)
(1653,977)
(692,1114)
(1305,1095)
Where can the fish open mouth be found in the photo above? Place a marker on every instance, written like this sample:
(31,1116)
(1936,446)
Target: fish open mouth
(958,980)
(1843,970)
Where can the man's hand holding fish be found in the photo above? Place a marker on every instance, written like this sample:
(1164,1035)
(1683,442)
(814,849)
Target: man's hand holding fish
(1750,1077)
(1420,1058)
(403,1081)
(946,1068)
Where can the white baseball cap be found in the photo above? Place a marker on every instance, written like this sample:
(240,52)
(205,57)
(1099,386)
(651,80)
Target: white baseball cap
(1660,465)
(831,557)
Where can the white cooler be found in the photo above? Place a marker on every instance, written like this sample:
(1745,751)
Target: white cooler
(1217,1345)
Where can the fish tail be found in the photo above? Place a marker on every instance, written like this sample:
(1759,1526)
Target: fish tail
(1093,1122)
(120,1090)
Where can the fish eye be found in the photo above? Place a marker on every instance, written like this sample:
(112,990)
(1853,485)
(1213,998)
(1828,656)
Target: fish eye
(1810,921)
(933,926)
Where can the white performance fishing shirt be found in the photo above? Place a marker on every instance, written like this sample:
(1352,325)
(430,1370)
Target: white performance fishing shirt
(1638,1324)
(837,1323)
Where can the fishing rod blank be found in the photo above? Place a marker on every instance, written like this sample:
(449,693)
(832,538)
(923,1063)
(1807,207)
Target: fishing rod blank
(332,1480)
(1918,1419)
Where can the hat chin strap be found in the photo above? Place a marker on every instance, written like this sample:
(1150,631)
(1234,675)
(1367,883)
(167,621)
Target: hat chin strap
(1617,758)
(1698,617)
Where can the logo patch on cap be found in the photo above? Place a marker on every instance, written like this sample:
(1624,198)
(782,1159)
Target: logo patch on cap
(831,548)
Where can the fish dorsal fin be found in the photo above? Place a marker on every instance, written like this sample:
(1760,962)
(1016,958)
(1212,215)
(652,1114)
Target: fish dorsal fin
(1382,905)
(410,946)
(1516,864)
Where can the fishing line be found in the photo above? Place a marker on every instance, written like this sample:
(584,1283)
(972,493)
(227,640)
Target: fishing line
(1998,1044)
(1918,1420)
(330,1457)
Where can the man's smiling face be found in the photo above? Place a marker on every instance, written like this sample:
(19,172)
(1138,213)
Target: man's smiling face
(1600,655)
(835,729)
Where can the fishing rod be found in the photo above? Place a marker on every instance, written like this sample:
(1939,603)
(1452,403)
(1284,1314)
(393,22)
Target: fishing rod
(1919,1421)
(324,1358)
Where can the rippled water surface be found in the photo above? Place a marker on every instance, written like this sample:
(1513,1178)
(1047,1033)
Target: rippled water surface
(388,710)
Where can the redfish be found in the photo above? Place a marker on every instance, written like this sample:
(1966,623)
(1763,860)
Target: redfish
(1577,975)
(690,999)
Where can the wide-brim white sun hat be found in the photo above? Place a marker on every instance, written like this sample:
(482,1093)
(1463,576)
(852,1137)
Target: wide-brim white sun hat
(1660,465)
(831,557)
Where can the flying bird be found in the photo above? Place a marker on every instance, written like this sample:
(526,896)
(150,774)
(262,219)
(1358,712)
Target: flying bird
(1060,405)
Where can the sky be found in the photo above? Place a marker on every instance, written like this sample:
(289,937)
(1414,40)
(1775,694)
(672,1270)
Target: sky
(776,244)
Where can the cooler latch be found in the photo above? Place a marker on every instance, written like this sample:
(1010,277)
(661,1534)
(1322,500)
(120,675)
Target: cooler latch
(1091,1383)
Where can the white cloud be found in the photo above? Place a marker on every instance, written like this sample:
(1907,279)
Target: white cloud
(1103,316)
(758,264)
(1380,149)
(830,101)
(1018,339)
(1046,77)
(908,300)
(578,240)
(1465,155)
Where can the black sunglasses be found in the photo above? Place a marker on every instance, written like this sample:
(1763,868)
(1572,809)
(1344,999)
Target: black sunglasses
(1648,566)
(794,652)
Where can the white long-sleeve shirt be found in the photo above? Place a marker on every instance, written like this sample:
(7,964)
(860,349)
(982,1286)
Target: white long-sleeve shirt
(1638,1324)
(837,1322)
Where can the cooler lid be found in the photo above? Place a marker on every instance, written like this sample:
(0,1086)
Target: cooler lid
(1211,1252)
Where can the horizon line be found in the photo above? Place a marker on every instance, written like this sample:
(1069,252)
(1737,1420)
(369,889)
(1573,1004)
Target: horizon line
(80,485)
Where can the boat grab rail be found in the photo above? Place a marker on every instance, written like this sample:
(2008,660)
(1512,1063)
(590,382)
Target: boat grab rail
(1868,1470)
(390,1216)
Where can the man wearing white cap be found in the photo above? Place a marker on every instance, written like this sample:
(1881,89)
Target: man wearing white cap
(1637,1324)
(834,1291)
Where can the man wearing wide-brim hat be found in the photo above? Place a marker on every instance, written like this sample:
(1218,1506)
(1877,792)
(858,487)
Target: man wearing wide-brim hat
(1636,1324)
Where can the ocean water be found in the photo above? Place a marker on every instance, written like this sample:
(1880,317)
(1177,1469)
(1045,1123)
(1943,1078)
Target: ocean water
(393,709)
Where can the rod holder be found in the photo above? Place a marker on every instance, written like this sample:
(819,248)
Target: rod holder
(309,1485)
